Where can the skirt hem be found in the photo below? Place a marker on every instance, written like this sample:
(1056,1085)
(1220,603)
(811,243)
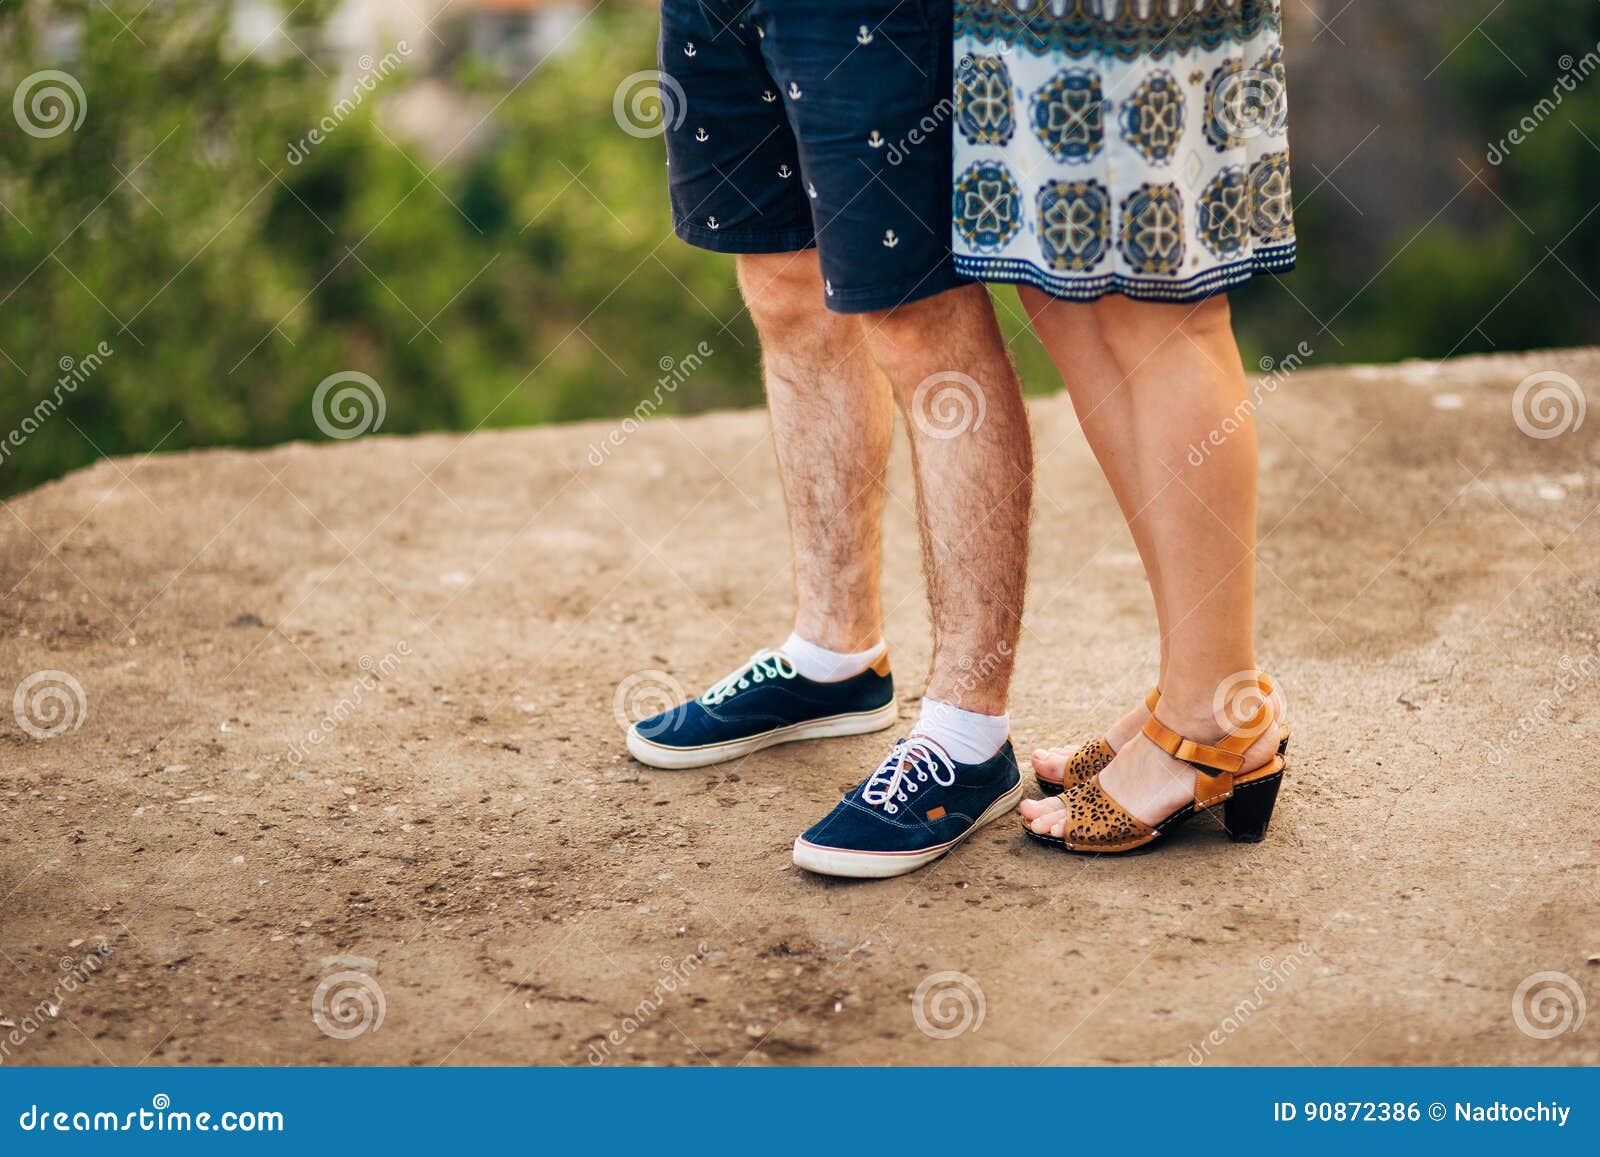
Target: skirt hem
(1268,260)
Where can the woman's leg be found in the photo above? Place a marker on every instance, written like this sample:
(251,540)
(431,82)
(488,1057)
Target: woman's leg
(1098,386)
(1185,380)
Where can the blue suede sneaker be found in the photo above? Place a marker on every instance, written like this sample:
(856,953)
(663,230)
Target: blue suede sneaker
(918,805)
(763,703)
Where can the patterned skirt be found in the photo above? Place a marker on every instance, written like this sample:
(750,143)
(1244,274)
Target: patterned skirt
(1121,146)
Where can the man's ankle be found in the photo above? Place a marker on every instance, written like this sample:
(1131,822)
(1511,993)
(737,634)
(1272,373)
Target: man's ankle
(823,665)
(968,736)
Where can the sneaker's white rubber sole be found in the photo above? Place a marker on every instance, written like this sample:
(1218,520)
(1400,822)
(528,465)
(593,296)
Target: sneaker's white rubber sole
(680,758)
(882,865)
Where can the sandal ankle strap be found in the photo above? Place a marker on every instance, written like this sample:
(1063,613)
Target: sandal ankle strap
(1217,762)
(1225,755)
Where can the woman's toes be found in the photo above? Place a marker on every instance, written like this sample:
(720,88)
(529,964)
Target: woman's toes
(1050,823)
(1034,808)
(1050,763)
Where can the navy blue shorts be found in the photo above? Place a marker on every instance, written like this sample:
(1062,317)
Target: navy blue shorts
(822,125)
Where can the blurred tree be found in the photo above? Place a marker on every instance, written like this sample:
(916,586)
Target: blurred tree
(538,280)
(229,266)
(141,228)
(1519,266)
(1526,276)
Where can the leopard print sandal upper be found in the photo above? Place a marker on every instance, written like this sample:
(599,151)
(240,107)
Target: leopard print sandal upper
(1088,761)
(1082,766)
(1096,823)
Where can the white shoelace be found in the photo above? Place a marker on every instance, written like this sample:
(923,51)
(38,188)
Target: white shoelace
(913,762)
(763,665)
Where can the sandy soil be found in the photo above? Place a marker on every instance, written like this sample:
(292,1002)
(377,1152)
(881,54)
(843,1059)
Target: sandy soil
(470,837)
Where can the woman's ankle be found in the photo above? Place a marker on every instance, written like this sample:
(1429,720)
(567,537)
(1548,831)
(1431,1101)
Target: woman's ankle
(1206,722)
(1125,728)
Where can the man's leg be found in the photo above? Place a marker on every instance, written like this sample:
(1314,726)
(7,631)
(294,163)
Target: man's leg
(737,187)
(832,421)
(973,459)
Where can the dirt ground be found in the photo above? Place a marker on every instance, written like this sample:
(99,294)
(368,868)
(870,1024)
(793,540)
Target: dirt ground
(467,847)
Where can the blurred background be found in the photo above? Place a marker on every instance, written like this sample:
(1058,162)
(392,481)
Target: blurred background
(208,208)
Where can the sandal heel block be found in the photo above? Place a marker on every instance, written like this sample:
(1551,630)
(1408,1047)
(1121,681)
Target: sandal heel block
(1246,815)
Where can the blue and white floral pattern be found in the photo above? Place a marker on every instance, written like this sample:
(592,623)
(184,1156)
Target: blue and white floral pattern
(1152,118)
(1152,239)
(988,206)
(1067,114)
(983,100)
(1152,159)
(1224,213)
(1074,224)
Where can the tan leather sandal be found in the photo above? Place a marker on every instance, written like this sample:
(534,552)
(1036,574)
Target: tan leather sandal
(1091,759)
(1096,824)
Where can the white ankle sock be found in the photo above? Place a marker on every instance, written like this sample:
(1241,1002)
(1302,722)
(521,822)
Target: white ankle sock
(966,735)
(824,666)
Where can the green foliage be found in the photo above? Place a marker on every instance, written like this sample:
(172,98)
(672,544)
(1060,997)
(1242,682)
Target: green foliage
(1513,263)
(535,281)
(141,230)
(536,278)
